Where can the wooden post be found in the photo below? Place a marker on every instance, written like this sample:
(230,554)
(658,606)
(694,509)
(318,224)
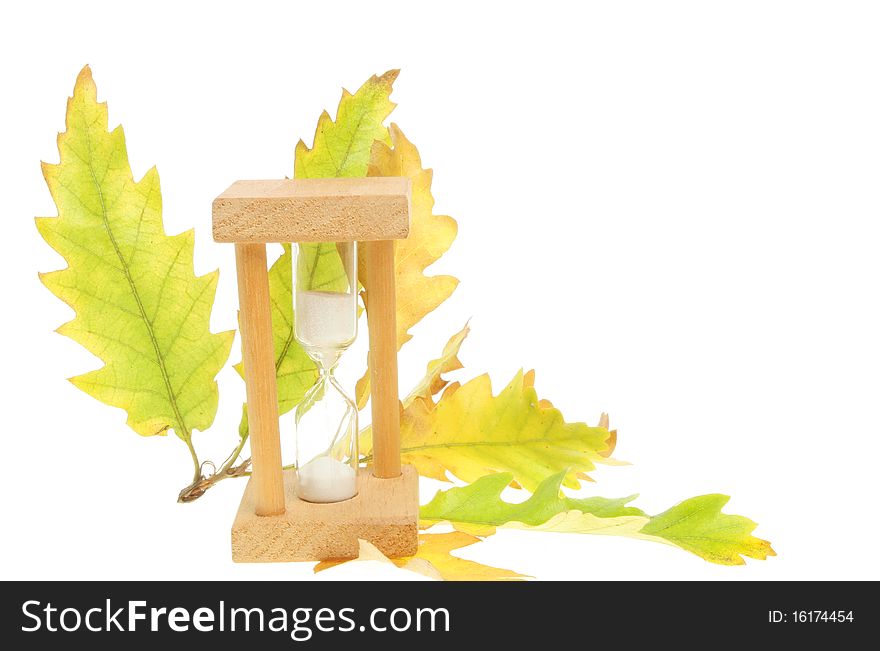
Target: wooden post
(382,323)
(259,370)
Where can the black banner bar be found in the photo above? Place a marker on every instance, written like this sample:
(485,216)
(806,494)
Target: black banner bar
(318,614)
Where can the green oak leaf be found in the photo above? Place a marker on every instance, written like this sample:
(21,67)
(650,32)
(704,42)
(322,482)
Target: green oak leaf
(342,146)
(341,149)
(699,526)
(695,525)
(294,370)
(478,508)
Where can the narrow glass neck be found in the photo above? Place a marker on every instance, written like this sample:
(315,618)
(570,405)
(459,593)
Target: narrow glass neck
(327,359)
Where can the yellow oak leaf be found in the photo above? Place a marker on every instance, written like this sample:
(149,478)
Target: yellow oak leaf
(471,433)
(578,522)
(435,560)
(434,382)
(429,238)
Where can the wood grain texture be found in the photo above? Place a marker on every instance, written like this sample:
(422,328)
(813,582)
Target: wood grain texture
(382,322)
(258,355)
(313,210)
(385,512)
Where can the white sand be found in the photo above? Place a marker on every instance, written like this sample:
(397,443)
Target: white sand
(326,480)
(325,320)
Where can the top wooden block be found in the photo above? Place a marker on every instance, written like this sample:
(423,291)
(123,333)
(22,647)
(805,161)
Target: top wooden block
(313,210)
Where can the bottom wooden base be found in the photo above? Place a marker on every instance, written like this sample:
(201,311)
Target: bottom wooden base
(385,512)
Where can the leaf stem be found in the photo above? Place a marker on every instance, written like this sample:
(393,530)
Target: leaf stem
(197,472)
(228,470)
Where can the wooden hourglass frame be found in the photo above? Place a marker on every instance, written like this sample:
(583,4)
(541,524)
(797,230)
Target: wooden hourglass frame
(272,523)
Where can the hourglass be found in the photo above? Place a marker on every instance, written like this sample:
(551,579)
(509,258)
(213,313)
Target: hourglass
(325,323)
(320,509)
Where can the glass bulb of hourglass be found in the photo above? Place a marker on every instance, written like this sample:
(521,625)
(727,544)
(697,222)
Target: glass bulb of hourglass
(325,325)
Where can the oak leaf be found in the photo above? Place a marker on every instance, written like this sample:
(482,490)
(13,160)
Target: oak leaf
(699,526)
(469,433)
(435,560)
(433,382)
(696,525)
(430,236)
(341,148)
(139,306)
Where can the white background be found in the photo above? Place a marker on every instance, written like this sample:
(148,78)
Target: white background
(668,209)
